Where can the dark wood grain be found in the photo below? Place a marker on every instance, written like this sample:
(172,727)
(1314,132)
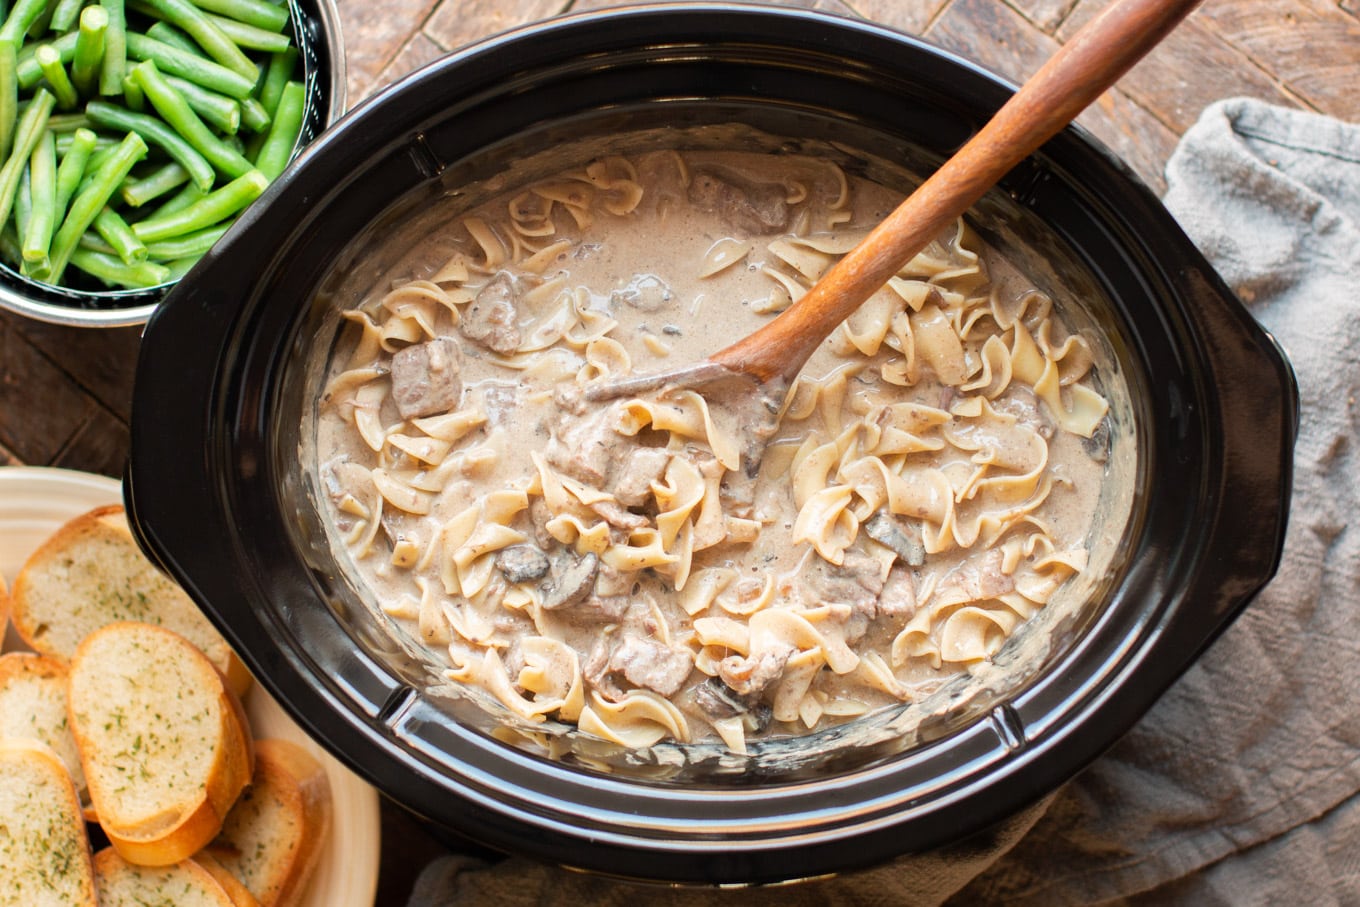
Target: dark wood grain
(1192,68)
(41,406)
(375,34)
(455,24)
(1311,46)
(64,393)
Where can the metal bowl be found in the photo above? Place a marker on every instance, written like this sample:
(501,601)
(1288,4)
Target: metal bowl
(316,34)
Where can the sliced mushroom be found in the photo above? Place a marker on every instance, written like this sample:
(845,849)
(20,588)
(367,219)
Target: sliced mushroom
(571,581)
(521,563)
(887,530)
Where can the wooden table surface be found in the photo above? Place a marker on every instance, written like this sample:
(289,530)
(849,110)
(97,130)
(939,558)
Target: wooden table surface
(65,393)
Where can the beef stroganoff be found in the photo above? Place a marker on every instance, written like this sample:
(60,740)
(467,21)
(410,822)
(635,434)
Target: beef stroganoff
(693,566)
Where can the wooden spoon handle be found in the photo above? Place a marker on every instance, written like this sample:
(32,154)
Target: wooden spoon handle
(1076,75)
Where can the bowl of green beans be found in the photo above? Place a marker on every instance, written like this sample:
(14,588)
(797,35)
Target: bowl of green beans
(133,133)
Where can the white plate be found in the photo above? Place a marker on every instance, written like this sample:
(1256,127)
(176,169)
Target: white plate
(34,503)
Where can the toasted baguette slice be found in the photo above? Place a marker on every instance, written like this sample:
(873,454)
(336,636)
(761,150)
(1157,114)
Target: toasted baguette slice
(182,884)
(164,743)
(236,890)
(272,838)
(89,573)
(33,705)
(44,851)
(4,607)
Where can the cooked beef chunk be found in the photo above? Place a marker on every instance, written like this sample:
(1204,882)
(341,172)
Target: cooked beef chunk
(898,598)
(750,675)
(491,319)
(648,663)
(587,448)
(752,208)
(632,484)
(427,378)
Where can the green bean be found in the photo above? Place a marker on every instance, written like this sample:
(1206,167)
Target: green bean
(191,19)
(92,197)
(173,61)
(281,66)
(9,94)
(216,109)
(168,34)
(212,208)
(259,13)
(155,132)
(133,96)
(21,19)
(166,178)
(190,245)
(23,206)
(49,61)
(9,243)
(64,15)
(30,73)
(180,266)
(115,49)
(64,142)
(68,122)
(250,37)
(112,270)
(110,225)
(176,111)
(89,54)
(253,116)
(37,234)
(72,167)
(277,149)
(95,243)
(39,26)
(179,201)
(31,127)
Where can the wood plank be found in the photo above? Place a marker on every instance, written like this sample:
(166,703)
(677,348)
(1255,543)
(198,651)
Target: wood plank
(100,446)
(41,408)
(374,34)
(100,361)
(417,52)
(458,22)
(1004,41)
(1047,15)
(914,18)
(1188,71)
(1312,46)
(832,6)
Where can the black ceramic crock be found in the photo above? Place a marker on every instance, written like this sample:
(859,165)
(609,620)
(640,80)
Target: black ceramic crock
(214,495)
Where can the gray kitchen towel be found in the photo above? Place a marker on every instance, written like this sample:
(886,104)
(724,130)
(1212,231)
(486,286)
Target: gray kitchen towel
(1242,785)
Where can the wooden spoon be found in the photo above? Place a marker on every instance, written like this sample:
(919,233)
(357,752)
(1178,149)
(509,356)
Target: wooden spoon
(1081,70)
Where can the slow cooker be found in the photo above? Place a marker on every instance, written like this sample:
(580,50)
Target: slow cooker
(217,496)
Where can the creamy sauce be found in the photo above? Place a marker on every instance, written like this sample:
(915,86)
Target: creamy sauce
(932,478)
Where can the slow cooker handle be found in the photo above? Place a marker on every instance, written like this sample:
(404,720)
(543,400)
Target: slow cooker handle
(1256,418)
